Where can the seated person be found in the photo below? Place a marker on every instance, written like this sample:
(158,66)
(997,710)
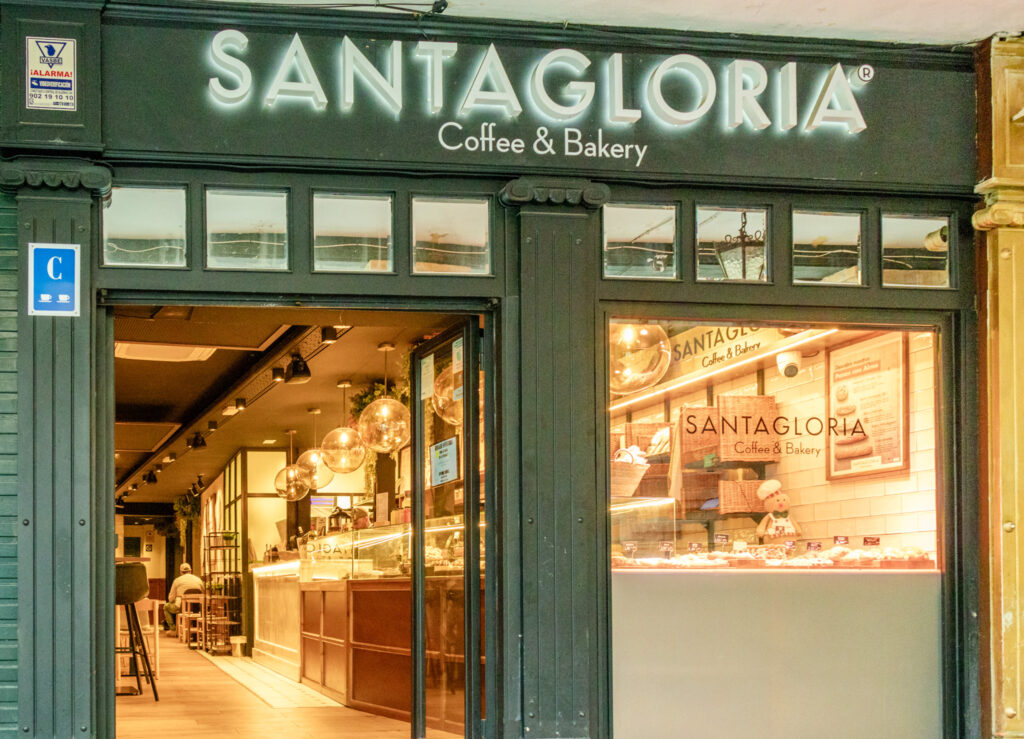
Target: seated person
(185,581)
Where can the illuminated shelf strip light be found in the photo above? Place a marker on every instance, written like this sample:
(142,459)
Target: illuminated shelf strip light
(633,505)
(683,382)
(280,568)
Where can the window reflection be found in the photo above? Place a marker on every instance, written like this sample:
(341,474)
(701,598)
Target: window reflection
(639,241)
(732,244)
(451,236)
(351,233)
(826,248)
(915,251)
(246,230)
(145,227)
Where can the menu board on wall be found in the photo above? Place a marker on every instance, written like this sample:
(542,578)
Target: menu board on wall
(869,422)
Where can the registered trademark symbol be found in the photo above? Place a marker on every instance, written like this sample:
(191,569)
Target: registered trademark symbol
(865,73)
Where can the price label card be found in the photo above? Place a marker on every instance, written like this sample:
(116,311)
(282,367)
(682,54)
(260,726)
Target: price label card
(789,546)
(695,546)
(840,540)
(872,541)
(814,546)
(721,538)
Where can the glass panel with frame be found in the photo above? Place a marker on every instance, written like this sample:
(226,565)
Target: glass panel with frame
(246,229)
(745,445)
(915,251)
(451,236)
(145,227)
(352,233)
(827,248)
(732,244)
(443,408)
(639,241)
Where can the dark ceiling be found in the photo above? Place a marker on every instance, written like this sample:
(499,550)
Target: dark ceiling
(161,404)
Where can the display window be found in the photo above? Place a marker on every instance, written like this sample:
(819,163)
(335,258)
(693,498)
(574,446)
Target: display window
(742,445)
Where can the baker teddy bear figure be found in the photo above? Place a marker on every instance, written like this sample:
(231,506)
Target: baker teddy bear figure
(777,524)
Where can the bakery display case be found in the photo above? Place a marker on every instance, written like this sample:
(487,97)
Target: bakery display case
(383,551)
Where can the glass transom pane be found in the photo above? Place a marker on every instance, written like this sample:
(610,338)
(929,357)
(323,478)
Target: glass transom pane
(451,236)
(352,233)
(915,251)
(145,227)
(732,244)
(246,229)
(639,241)
(826,248)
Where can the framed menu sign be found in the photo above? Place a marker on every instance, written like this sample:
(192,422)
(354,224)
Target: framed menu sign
(866,404)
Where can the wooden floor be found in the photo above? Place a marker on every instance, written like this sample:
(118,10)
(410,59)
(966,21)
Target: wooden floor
(197,700)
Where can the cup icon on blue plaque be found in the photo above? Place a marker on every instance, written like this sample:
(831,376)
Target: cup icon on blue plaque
(54,279)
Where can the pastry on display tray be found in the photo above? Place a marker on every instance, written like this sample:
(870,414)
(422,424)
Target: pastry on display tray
(777,558)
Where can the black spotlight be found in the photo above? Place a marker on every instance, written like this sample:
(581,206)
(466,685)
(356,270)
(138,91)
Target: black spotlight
(149,478)
(297,371)
(197,441)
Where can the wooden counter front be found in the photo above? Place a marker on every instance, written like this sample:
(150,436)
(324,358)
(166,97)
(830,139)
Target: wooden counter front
(324,632)
(357,646)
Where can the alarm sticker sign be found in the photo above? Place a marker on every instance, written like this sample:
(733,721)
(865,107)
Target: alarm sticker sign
(50,73)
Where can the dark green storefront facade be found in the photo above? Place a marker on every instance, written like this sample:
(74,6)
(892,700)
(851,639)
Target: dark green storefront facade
(215,96)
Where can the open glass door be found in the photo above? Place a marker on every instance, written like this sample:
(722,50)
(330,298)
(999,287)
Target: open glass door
(447,522)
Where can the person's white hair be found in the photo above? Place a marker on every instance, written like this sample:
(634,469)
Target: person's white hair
(185,567)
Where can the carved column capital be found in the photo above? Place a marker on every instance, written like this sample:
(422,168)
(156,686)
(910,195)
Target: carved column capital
(1004,206)
(71,174)
(556,191)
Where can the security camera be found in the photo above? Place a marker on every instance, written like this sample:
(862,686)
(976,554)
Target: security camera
(788,362)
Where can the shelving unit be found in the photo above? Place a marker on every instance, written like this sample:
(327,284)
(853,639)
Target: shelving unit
(222,591)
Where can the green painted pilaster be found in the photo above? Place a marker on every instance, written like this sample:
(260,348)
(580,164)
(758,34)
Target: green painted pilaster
(563,555)
(63,645)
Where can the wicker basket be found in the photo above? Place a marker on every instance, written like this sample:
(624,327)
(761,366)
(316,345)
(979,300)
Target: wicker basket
(697,489)
(739,496)
(694,442)
(626,476)
(746,429)
(640,435)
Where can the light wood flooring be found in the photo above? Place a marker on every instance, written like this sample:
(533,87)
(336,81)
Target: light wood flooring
(198,700)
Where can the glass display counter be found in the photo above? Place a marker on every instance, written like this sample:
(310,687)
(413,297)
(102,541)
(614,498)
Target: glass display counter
(382,552)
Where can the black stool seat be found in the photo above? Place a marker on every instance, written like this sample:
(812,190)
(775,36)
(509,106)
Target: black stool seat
(131,584)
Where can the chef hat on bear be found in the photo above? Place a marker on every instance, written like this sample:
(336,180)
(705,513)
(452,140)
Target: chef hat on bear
(768,488)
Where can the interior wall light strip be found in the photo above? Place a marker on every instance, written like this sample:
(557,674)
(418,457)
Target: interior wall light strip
(727,368)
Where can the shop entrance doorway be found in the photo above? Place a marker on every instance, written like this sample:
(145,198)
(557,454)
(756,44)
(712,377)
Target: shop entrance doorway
(319,472)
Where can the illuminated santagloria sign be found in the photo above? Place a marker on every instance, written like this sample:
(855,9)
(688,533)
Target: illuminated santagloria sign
(558,90)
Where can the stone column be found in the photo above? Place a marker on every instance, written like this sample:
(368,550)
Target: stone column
(1001,308)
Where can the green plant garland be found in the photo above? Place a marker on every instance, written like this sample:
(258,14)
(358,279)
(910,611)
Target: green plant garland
(186,509)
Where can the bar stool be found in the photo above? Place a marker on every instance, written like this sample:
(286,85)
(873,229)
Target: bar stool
(131,585)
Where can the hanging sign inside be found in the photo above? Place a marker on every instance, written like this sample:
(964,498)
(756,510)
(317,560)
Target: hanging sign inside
(54,279)
(50,82)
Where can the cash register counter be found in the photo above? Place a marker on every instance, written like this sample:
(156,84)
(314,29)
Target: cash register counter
(347,634)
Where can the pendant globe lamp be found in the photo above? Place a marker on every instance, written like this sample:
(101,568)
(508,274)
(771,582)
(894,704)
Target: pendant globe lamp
(342,448)
(385,425)
(288,483)
(315,473)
